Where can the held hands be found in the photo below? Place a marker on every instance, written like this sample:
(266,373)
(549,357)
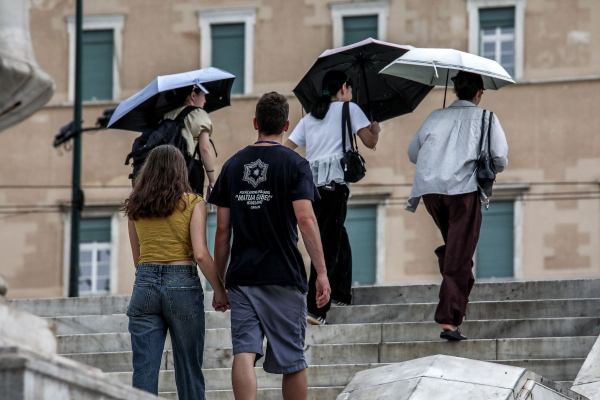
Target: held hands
(323,290)
(220,300)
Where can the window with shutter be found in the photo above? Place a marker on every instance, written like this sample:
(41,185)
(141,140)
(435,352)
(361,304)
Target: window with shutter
(97,64)
(359,28)
(495,249)
(228,43)
(497,36)
(361,224)
(95,256)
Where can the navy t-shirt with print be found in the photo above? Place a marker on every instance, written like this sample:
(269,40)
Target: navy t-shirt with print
(258,185)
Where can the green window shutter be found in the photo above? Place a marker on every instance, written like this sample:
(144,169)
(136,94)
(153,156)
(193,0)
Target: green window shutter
(495,249)
(361,224)
(359,28)
(491,18)
(97,65)
(95,230)
(228,44)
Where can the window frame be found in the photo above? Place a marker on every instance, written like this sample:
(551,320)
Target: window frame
(115,222)
(341,10)
(114,22)
(94,247)
(379,198)
(473,7)
(245,15)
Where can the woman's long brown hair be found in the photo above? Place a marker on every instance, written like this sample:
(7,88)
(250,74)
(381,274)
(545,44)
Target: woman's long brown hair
(160,185)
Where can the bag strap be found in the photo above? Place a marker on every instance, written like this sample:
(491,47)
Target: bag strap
(489,139)
(347,127)
(482,135)
(191,254)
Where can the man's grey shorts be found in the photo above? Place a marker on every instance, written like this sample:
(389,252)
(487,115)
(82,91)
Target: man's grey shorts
(277,312)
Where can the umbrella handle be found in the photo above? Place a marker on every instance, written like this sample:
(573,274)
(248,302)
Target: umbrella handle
(446,89)
(362,67)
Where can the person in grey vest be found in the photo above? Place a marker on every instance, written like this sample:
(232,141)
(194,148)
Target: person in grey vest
(445,150)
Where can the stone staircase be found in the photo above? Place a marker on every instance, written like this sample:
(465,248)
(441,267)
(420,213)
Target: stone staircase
(548,327)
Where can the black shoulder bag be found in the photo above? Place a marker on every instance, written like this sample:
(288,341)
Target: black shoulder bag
(486,171)
(352,162)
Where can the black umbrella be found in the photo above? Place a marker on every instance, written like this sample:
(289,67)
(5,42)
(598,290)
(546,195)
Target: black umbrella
(144,109)
(381,97)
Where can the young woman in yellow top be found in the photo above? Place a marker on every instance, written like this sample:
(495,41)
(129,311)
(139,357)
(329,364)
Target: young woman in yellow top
(167,230)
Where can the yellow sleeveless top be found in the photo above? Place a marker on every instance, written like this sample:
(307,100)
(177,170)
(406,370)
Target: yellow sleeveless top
(158,243)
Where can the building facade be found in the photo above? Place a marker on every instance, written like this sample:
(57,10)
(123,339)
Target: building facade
(544,220)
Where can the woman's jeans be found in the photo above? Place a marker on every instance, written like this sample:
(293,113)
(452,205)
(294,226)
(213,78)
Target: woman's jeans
(167,297)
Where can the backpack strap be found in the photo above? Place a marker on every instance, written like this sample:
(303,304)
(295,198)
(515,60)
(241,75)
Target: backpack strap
(185,112)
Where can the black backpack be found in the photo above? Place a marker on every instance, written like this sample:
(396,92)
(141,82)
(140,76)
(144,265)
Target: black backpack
(167,132)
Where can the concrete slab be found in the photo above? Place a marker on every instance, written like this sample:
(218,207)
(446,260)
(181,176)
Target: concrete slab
(449,378)
(587,381)
(18,328)
(26,375)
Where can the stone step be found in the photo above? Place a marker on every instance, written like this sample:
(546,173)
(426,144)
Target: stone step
(363,295)
(223,357)
(512,309)
(220,378)
(554,369)
(340,375)
(118,323)
(93,305)
(314,393)
(366,353)
(418,312)
(482,291)
(362,333)
(219,338)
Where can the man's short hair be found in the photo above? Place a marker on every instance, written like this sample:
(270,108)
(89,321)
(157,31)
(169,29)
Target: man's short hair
(271,114)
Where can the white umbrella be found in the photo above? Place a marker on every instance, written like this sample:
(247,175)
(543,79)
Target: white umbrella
(436,66)
(140,111)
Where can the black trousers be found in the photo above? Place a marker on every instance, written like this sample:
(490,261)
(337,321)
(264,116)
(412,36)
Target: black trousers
(458,218)
(331,214)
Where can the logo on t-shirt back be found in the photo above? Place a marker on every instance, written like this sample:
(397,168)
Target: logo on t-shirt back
(255,172)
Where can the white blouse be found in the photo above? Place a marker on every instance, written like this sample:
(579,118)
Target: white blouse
(322,139)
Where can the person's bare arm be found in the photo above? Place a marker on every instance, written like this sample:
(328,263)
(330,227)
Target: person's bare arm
(370,135)
(208,156)
(290,144)
(312,240)
(222,240)
(135,242)
(205,261)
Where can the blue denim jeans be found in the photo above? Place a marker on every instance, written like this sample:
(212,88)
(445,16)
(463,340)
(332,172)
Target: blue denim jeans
(167,297)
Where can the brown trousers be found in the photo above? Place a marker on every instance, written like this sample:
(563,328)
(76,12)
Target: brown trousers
(458,218)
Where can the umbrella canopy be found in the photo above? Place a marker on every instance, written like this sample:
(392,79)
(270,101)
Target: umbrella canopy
(380,97)
(144,109)
(436,66)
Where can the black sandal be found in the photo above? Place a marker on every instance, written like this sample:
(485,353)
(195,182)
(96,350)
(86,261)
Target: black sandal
(452,335)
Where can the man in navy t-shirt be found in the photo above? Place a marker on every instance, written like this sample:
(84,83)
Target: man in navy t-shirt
(265,192)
